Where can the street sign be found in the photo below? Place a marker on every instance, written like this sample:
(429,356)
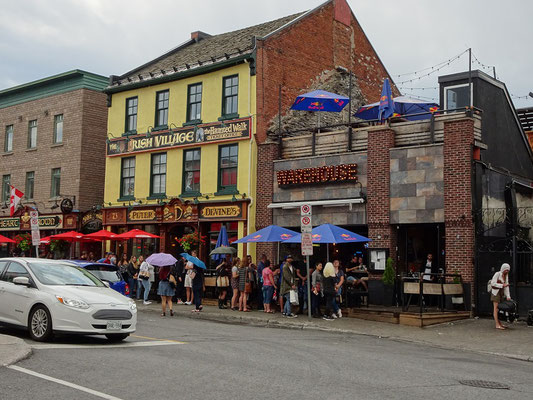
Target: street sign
(306,224)
(307,244)
(306,209)
(34,223)
(35,238)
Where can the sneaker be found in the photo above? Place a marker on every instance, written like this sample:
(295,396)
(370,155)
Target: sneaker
(334,316)
(147,302)
(283,314)
(327,318)
(339,314)
(179,302)
(188,303)
(292,316)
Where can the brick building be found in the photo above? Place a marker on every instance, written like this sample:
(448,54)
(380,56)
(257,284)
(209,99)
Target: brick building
(53,149)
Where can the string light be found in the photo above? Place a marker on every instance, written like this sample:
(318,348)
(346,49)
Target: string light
(521,97)
(332,173)
(434,68)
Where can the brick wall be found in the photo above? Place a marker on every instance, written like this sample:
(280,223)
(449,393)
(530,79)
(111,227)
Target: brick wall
(378,191)
(84,112)
(458,142)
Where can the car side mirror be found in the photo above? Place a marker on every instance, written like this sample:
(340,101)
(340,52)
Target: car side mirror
(106,283)
(22,281)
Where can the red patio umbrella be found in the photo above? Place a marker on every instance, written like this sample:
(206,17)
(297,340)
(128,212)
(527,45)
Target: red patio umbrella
(4,239)
(71,236)
(135,234)
(45,240)
(101,235)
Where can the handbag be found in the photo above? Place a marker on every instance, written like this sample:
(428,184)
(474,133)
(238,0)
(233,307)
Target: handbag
(172,281)
(248,287)
(192,274)
(293,297)
(222,281)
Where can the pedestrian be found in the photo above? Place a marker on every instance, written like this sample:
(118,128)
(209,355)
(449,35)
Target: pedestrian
(91,257)
(180,280)
(245,285)
(165,289)
(131,274)
(123,263)
(288,283)
(113,259)
(189,266)
(254,277)
(329,291)
(268,286)
(301,273)
(235,284)
(138,287)
(339,284)
(500,291)
(83,255)
(316,290)
(223,272)
(260,266)
(198,288)
(146,271)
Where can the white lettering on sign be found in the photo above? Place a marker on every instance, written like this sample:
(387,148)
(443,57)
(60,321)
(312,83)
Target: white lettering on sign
(307,244)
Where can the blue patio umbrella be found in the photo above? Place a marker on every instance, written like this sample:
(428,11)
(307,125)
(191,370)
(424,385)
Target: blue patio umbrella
(386,104)
(272,233)
(196,261)
(328,233)
(320,100)
(403,105)
(221,241)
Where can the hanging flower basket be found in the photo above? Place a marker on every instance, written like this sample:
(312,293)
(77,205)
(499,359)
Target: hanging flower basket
(23,241)
(191,241)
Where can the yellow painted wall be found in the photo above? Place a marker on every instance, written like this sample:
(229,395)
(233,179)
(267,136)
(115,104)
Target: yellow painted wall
(211,111)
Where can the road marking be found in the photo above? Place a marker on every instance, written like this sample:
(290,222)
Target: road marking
(153,338)
(64,383)
(48,346)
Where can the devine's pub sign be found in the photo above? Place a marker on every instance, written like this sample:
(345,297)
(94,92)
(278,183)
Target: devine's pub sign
(201,134)
(325,174)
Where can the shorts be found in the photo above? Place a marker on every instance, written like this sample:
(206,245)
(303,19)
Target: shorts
(498,298)
(351,279)
(268,292)
(188,281)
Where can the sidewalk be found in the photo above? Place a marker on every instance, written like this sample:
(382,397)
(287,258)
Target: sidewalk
(476,335)
(12,350)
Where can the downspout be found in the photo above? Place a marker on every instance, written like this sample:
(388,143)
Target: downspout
(250,149)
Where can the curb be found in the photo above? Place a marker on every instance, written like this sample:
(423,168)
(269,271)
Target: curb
(13,350)
(286,324)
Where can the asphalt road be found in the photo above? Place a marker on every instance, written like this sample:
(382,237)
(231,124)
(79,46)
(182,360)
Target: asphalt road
(193,359)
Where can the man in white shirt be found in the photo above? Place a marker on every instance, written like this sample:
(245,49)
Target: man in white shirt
(428,269)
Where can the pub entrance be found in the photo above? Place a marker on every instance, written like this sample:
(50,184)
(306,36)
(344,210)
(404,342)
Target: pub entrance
(415,241)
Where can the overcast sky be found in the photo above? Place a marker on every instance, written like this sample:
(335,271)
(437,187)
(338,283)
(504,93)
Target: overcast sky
(41,38)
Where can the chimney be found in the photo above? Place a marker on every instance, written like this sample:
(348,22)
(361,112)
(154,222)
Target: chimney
(199,35)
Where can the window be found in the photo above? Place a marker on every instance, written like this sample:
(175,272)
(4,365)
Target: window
(56,182)
(161,109)
(159,174)
(127,185)
(194,102)
(8,144)
(230,89)
(58,129)
(456,97)
(131,114)
(191,171)
(227,166)
(30,180)
(6,188)
(32,134)
(14,270)
(3,265)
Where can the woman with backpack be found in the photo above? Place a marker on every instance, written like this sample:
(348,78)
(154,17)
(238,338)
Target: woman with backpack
(500,291)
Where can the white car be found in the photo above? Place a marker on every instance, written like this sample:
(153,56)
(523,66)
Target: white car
(48,296)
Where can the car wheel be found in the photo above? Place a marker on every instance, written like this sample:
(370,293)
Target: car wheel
(40,324)
(117,337)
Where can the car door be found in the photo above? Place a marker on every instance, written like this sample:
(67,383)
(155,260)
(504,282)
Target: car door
(16,298)
(3,265)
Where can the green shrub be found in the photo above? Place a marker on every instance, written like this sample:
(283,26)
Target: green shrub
(389,274)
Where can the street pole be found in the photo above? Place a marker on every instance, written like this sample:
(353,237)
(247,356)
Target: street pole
(308,289)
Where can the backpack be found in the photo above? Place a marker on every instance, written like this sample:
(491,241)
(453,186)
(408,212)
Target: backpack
(489,286)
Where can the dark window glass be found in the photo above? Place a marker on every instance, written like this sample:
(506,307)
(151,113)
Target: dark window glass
(32,134)
(14,270)
(131,114)
(8,143)
(127,186)
(30,180)
(230,90)
(6,188)
(191,170)
(3,265)
(457,97)
(58,128)
(227,166)
(56,182)
(161,108)
(159,173)
(194,102)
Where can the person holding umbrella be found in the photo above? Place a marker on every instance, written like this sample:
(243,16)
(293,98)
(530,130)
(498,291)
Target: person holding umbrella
(223,271)
(196,268)
(167,279)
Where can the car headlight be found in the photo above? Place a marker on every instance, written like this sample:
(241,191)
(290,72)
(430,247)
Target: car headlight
(74,303)
(133,306)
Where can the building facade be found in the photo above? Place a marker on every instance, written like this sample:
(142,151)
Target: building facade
(53,150)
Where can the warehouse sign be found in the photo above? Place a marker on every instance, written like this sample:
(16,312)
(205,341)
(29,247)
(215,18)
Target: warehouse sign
(315,175)
(186,136)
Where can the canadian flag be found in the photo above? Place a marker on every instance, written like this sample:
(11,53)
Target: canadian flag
(16,195)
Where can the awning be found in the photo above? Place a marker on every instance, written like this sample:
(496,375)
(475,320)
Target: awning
(323,203)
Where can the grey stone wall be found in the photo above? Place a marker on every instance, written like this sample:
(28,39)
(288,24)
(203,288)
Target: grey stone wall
(334,215)
(417,185)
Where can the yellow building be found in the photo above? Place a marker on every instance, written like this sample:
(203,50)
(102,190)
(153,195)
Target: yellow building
(181,150)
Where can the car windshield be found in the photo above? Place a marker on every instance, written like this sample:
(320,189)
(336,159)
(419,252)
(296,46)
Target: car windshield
(63,274)
(104,273)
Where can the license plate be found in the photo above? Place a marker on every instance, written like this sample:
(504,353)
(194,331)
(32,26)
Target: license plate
(114,325)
